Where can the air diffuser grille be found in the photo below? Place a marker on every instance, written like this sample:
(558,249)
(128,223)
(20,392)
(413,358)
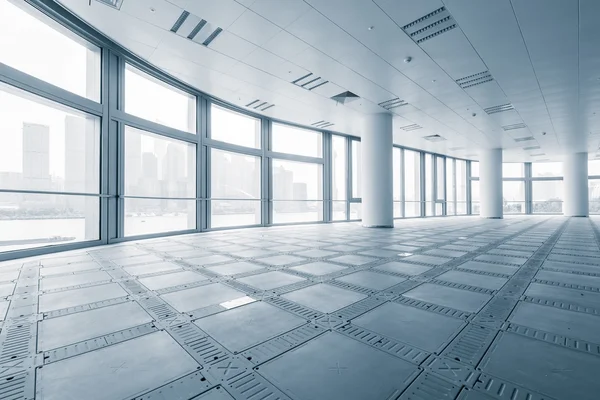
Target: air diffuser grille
(498,109)
(514,126)
(393,103)
(531,148)
(195,28)
(322,124)
(260,105)
(430,25)
(434,138)
(524,139)
(411,127)
(475,79)
(310,81)
(112,3)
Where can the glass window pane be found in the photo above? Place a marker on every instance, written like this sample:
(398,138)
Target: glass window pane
(594,195)
(594,167)
(474,169)
(397,163)
(46,146)
(513,197)
(157,166)
(339,210)
(461,187)
(429,186)
(147,216)
(38,220)
(297,191)
(42,48)
(547,196)
(475,209)
(356,170)
(412,183)
(235,128)
(440,185)
(450,188)
(149,98)
(545,169)
(513,170)
(338,167)
(235,181)
(292,140)
(355,211)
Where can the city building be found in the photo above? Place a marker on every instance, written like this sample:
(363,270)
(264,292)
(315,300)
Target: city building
(299,199)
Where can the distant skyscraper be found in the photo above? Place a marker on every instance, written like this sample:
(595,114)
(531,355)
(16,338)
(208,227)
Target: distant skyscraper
(150,166)
(36,158)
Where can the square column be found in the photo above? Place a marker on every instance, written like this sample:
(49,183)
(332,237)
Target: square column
(377,171)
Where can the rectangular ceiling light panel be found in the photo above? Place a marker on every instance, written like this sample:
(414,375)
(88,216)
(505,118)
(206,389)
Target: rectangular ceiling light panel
(475,79)
(498,109)
(411,127)
(513,127)
(532,148)
(112,3)
(431,25)
(524,139)
(393,103)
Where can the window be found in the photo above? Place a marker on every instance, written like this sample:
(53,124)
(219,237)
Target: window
(450,187)
(429,186)
(594,167)
(397,185)
(47,147)
(461,187)
(546,169)
(513,170)
(48,51)
(594,195)
(475,205)
(235,128)
(297,191)
(412,183)
(235,189)
(161,173)
(355,211)
(440,175)
(356,170)
(547,196)
(292,140)
(154,100)
(474,169)
(338,175)
(514,197)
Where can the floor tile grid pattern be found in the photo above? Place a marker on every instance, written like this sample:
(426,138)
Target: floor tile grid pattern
(435,367)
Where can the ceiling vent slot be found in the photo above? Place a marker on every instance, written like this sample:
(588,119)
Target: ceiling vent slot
(434,138)
(195,28)
(260,105)
(470,155)
(322,124)
(532,148)
(393,103)
(411,127)
(524,139)
(345,97)
(538,154)
(543,159)
(474,80)
(514,126)
(184,15)
(431,25)
(112,3)
(498,109)
(456,148)
(310,81)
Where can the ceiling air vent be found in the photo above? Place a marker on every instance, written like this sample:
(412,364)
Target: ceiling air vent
(524,139)
(470,155)
(195,28)
(345,97)
(434,138)
(538,154)
(411,127)
(532,148)
(112,3)
(260,105)
(543,160)
(430,25)
(498,109)
(322,124)
(456,148)
(514,126)
(474,80)
(393,103)
(309,81)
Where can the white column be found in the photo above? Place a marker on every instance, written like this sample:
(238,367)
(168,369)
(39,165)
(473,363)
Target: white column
(490,185)
(575,169)
(377,172)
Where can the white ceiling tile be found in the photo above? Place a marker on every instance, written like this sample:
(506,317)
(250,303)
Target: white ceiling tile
(254,28)
(406,11)
(222,13)
(160,13)
(285,45)
(232,45)
(280,12)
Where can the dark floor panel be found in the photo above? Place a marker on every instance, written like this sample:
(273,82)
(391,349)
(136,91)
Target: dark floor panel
(450,297)
(478,280)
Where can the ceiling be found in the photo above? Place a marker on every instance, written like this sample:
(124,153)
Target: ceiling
(523,75)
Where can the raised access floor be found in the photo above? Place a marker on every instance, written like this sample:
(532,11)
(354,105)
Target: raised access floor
(439,308)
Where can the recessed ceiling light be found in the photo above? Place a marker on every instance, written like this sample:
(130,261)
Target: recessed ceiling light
(152,9)
(433,80)
(474,114)
(408,59)
(543,133)
(371,28)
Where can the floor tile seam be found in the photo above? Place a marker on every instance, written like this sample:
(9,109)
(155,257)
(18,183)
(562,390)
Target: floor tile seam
(432,307)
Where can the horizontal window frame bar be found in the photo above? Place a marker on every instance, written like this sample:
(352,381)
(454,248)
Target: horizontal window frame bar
(25,191)
(48,91)
(232,148)
(153,127)
(293,157)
